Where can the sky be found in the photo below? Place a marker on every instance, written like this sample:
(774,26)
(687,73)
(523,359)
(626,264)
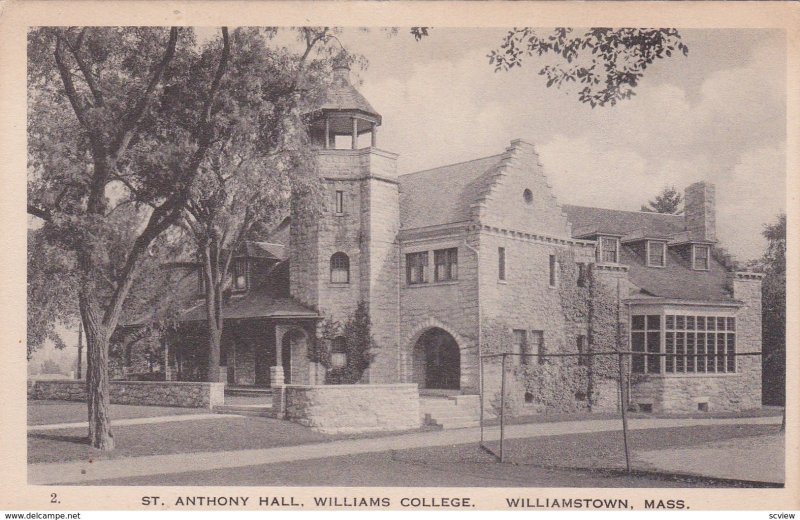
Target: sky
(717,115)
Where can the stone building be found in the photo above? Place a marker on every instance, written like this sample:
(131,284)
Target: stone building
(442,257)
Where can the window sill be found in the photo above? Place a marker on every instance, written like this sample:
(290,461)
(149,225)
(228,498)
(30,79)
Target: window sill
(430,284)
(502,282)
(341,285)
(689,376)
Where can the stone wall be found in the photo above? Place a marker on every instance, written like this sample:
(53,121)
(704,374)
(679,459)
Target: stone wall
(451,306)
(151,393)
(349,408)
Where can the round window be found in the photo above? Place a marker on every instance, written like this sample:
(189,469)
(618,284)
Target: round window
(528,196)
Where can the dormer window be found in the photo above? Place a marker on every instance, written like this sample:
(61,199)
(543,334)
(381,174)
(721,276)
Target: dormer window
(700,257)
(656,254)
(608,250)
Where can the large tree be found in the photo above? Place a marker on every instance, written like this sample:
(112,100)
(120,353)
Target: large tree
(117,117)
(259,166)
(667,201)
(773,308)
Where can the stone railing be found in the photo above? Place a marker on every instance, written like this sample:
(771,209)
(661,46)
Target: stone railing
(349,408)
(183,394)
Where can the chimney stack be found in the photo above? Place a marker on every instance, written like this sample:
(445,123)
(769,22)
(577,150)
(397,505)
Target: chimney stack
(700,213)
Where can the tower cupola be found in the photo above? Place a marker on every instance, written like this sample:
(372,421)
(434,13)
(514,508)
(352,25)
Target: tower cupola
(343,112)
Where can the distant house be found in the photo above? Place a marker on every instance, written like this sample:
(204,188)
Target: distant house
(439,255)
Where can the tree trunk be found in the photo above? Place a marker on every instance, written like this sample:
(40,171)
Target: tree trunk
(98,387)
(213,279)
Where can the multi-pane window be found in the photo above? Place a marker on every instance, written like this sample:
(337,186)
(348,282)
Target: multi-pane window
(700,258)
(537,344)
(646,338)
(656,254)
(445,264)
(501,263)
(700,344)
(553,271)
(339,202)
(580,341)
(340,268)
(239,274)
(521,346)
(609,250)
(416,267)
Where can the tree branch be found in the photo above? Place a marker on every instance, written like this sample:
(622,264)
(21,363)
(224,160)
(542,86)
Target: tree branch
(39,212)
(87,74)
(130,121)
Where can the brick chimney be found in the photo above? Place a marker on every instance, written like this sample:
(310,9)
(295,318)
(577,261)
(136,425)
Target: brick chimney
(700,213)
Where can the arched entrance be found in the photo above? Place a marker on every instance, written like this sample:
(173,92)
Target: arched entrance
(437,360)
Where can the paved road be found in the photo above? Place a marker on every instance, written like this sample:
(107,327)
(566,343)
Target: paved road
(79,472)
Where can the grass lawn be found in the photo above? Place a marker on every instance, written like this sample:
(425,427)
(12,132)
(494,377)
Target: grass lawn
(224,433)
(57,412)
(602,450)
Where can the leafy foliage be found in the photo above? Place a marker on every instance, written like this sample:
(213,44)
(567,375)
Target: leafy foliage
(52,291)
(359,348)
(668,201)
(606,63)
(773,309)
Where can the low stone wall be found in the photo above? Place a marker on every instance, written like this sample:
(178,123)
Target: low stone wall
(719,392)
(349,408)
(153,393)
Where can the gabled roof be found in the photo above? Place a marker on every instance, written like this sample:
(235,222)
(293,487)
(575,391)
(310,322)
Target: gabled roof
(443,195)
(588,221)
(267,250)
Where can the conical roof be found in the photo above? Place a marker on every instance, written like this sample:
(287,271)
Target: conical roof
(342,96)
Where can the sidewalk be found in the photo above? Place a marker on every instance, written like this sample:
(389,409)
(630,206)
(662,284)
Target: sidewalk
(140,420)
(77,472)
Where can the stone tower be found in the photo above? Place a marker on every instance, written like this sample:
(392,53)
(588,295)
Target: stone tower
(349,253)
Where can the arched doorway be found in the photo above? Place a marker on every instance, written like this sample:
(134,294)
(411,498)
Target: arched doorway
(437,360)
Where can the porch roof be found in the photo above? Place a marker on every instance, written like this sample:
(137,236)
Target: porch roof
(256,303)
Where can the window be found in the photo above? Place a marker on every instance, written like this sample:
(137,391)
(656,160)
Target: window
(609,250)
(416,267)
(239,274)
(553,271)
(501,263)
(338,352)
(700,344)
(340,268)
(700,258)
(583,359)
(445,264)
(581,274)
(339,202)
(656,254)
(537,343)
(527,195)
(521,346)
(646,338)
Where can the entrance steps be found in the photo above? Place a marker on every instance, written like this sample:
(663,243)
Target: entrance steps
(452,411)
(257,410)
(247,391)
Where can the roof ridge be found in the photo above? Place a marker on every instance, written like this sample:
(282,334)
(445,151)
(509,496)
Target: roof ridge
(626,210)
(452,164)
